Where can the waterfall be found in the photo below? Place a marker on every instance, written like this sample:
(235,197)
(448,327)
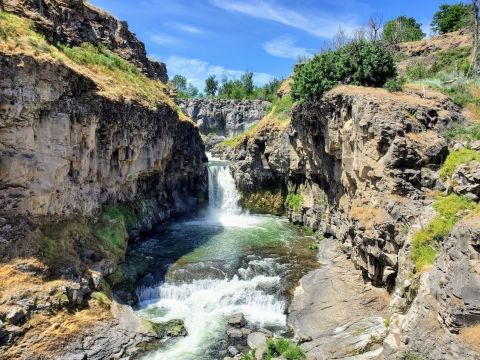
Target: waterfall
(223,196)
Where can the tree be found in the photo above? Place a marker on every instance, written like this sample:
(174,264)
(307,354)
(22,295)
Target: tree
(180,82)
(247,81)
(451,18)
(402,29)
(374,27)
(211,86)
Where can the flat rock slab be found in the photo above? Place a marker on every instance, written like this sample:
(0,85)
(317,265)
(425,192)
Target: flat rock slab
(335,312)
(256,340)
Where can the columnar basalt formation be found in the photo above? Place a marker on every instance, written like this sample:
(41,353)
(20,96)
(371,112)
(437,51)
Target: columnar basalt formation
(361,161)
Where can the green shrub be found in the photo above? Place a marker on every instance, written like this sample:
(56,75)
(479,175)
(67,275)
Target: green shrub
(418,71)
(358,63)
(452,60)
(455,158)
(451,17)
(395,84)
(294,202)
(283,348)
(425,243)
(469,132)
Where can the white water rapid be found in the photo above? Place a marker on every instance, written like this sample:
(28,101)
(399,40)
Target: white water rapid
(204,304)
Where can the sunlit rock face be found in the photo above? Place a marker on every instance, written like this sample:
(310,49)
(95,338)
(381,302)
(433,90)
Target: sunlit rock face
(66,151)
(362,160)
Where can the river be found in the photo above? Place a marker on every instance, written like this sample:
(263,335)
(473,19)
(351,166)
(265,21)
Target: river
(221,262)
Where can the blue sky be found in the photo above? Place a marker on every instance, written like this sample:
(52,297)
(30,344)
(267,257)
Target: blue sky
(196,38)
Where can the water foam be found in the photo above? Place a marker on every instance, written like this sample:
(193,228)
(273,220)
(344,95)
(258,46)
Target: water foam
(204,305)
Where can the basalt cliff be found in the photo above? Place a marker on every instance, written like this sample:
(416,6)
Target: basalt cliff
(84,169)
(360,165)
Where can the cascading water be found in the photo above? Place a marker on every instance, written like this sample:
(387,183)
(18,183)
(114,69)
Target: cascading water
(225,263)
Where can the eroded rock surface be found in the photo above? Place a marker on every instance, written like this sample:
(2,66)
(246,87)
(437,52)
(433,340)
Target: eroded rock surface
(334,312)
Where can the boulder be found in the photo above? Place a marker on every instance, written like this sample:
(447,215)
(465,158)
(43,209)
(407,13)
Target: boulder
(237,320)
(235,333)
(232,350)
(16,316)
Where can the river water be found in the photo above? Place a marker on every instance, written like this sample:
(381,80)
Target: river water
(219,263)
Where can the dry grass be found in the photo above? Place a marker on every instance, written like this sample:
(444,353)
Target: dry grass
(48,334)
(16,281)
(368,216)
(471,337)
(17,37)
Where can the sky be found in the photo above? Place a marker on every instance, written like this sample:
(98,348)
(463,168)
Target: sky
(197,38)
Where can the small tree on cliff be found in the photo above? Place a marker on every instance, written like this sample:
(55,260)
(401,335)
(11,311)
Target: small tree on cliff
(180,82)
(211,86)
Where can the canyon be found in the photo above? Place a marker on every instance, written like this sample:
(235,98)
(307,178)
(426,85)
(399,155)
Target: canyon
(121,238)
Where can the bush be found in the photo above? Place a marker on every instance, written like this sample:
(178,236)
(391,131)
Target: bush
(283,348)
(402,29)
(451,18)
(456,158)
(470,132)
(418,71)
(358,63)
(394,85)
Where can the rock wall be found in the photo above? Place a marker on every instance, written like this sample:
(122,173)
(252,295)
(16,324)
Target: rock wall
(65,151)
(74,22)
(224,117)
(361,161)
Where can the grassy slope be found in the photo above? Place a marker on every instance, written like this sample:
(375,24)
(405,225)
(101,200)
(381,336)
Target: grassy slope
(115,78)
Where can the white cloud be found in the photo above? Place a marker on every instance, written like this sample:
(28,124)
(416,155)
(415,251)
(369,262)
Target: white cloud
(284,47)
(162,39)
(321,24)
(184,27)
(196,71)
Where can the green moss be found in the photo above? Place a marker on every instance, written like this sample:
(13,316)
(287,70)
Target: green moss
(294,202)
(425,243)
(456,158)
(264,202)
(170,328)
(408,355)
(233,142)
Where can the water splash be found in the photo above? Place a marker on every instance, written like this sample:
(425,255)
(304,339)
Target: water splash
(204,305)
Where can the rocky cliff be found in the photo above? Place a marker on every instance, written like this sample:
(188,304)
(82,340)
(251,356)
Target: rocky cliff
(361,165)
(356,163)
(88,159)
(74,22)
(222,116)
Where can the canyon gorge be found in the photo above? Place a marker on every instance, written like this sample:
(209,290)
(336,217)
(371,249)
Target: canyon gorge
(136,224)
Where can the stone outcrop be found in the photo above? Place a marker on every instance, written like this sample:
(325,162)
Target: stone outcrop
(357,160)
(224,117)
(466,180)
(66,151)
(79,166)
(74,22)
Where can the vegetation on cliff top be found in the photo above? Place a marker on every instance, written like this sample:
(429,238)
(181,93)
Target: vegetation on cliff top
(115,77)
(360,62)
